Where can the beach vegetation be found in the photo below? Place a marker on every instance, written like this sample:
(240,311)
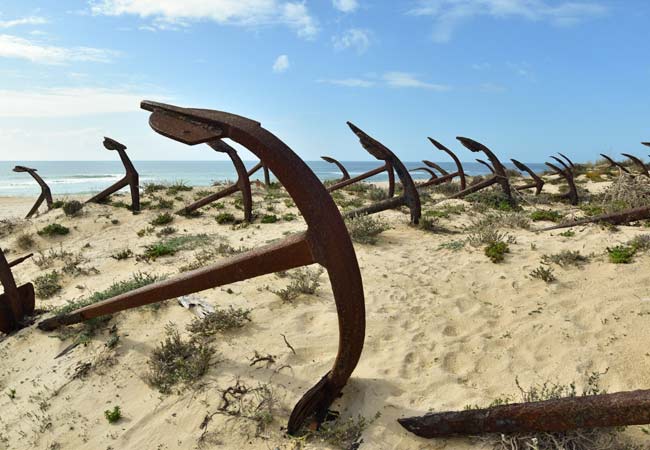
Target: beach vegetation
(546,215)
(53,229)
(304,281)
(73,208)
(48,284)
(621,254)
(496,251)
(543,273)
(269,218)
(224,218)
(366,229)
(25,241)
(566,258)
(219,321)
(113,415)
(162,219)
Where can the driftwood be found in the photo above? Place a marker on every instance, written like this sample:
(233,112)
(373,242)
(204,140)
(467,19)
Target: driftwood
(617,218)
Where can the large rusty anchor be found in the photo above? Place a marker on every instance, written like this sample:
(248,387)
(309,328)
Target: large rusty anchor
(344,171)
(387,167)
(410,197)
(613,163)
(499,177)
(486,164)
(617,218)
(567,173)
(537,183)
(46,194)
(325,242)
(446,177)
(437,167)
(242,185)
(130,179)
(17,302)
(640,164)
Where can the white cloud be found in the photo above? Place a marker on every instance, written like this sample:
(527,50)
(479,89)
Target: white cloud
(408,80)
(346,6)
(69,102)
(32,20)
(281,64)
(349,82)
(252,13)
(353,38)
(16,47)
(448,15)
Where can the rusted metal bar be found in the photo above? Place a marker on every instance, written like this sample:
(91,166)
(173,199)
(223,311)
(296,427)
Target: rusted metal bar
(326,242)
(617,218)
(242,185)
(566,158)
(647,144)
(563,414)
(566,173)
(432,174)
(476,187)
(45,195)
(16,302)
(435,166)
(131,178)
(490,168)
(615,163)
(460,172)
(410,197)
(344,171)
(640,164)
(537,183)
(17,261)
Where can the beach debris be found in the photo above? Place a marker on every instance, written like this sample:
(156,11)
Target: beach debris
(325,242)
(131,178)
(432,174)
(46,194)
(638,162)
(562,414)
(490,168)
(242,185)
(196,304)
(446,177)
(17,302)
(386,167)
(617,218)
(410,196)
(329,159)
(499,177)
(613,163)
(567,173)
(537,183)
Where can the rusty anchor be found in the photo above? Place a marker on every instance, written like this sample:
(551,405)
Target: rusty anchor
(490,168)
(566,158)
(344,171)
(242,185)
(446,177)
(410,197)
(387,167)
(537,183)
(131,178)
(647,144)
(432,174)
(563,414)
(638,163)
(617,218)
(500,176)
(326,242)
(613,163)
(46,194)
(567,173)
(435,166)
(17,302)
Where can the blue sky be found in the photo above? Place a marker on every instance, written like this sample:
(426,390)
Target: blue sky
(525,77)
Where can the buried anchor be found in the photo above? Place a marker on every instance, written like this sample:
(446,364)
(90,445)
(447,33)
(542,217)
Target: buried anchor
(46,194)
(325,242)
(567,173)
(17,302)
(537,183)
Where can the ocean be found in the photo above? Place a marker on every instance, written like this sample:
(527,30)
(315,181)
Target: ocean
(81,177)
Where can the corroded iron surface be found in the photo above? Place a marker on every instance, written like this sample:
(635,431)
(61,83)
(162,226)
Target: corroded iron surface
(567,174)
(45,195)
(16,302)
(640,164)
(613,163)
(131,178)
(485,163)
(344,171)
(537,183)
(617,218)
(432,174)
(326,242)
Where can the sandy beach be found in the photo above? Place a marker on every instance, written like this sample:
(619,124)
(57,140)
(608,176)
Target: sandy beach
(446,328)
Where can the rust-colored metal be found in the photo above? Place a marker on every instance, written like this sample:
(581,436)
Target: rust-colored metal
(17,302)
(432,174)
(566,158)
(500,176)
(537,183)
(435,166)
(563,414)
(410,197)
(460,172)
(640,164)
(326,242)
(567,174)
(490,168)
(131,178)
(617,218)
(45,195)
(614,163)
(344,171)
(242,185)
(386,167)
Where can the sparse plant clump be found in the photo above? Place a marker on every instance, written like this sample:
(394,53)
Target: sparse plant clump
(453,245)
(47,285)
(491,198)
(174,244)
(177,187)
(25,241)
(225,218)
(162,219)
(496,251)
(543,273)
(54,229)
(566,258)
(303,281)
(626,192)
(547,215)
(486,235)
(163,203)
(177,361)
(269,218)
(344,434)
(166,231)
(72,208)
(366,229)
(113,415)
(640,243)
(621,254)
(219,321)
(288,217)
(122,254)
(568,233)
(151,188)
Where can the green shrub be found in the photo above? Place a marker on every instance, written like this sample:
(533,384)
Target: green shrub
(54,229)
(543,273)
(72,208)
(122,254)
(269,218)
(162,219)
(566,258)
(46,285)
(288,217)
(303,281)
(178,186)
(219,321)
(496,251)
(365,229)
(621,254)
(225,218)
(113,415)
(150,188)
(545,214)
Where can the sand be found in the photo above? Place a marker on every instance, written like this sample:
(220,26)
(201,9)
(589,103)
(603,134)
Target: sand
(445,329)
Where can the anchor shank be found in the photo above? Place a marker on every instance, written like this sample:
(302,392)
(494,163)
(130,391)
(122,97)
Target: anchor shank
(353,180)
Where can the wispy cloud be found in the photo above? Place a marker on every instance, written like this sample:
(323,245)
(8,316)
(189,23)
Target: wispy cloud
(281,64)
(448,15)
(69,102)
(356,38)
(409,80)
(250,13)
(20,48)
(349,82)
(31,20)
(346,6)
